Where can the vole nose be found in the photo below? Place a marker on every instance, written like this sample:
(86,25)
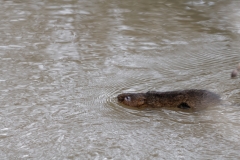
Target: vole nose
(120,98)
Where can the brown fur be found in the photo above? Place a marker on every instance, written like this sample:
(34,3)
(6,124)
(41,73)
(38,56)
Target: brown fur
(183,99)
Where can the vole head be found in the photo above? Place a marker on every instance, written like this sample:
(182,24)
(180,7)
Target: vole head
(132,99)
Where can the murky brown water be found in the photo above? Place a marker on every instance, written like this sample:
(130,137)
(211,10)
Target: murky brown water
(64,62)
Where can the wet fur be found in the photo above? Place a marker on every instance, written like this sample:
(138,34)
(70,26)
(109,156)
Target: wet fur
(183,99)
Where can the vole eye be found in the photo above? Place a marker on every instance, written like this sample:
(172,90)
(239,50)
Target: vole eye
(128,98)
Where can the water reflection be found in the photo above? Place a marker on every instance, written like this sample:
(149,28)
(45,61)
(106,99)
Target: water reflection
(64,62)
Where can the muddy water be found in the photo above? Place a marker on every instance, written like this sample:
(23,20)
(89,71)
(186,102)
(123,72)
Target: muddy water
(64,62)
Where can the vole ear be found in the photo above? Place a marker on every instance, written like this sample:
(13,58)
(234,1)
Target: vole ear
(141,101)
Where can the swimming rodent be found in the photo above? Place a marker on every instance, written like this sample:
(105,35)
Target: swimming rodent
(183,99)
(234,73)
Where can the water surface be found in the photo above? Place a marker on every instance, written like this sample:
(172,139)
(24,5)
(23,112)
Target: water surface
(64,62)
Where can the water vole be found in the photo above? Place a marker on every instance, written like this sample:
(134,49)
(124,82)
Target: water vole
(234,73)
(183,99)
